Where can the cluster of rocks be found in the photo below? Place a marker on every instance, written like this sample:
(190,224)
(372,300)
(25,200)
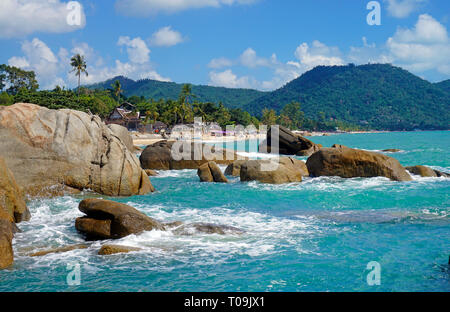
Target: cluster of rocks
(47,152)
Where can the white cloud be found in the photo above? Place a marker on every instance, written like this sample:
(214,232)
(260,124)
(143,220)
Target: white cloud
(220,63)
(249,59)
(137,49)
(153,7)
(229,80)
(166,37)
(39,58)
(54,68)
(403,8)
(425,47)
(20,18)
(317,54)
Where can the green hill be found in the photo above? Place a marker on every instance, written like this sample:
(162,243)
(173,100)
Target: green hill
(444,85)
(232,98)
(374,95)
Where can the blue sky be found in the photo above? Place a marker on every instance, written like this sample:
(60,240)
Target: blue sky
(259,44)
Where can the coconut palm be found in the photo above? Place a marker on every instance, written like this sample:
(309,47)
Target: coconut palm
(79,66)
(117,87)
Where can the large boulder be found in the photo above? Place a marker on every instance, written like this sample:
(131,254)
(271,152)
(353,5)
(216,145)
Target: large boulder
(350,163)
(106,219)
(11,196)
(210,172)
(13,209)
(6,236)
(45,147)
(160,156)
(293,164)
(289,143)
(286,170)
(122,134)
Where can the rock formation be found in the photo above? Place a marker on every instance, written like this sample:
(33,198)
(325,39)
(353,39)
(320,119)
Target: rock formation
(111,220)
(45,147)
(350,163)
(210,172)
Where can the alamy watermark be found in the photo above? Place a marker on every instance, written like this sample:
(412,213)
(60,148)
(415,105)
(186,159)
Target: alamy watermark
(374,16)
(73,278)
(74,16)
(189,145)
(374,276)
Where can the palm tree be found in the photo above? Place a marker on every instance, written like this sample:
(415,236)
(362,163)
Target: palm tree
(79,66)
(117,87)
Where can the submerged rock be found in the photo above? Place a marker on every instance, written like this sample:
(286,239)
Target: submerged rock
(58,250)
(391,150)
(45,147)
(160,156)
(115,249)
(207,228)
(287,170)
(107,219)
(422,171)
(210,172)
(350,163)
(290,143)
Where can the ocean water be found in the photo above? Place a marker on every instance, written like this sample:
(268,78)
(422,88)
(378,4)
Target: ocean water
(318,235)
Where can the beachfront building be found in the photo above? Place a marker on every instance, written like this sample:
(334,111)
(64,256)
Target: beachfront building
(126,116)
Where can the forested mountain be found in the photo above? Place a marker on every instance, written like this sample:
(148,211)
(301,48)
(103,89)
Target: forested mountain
(378,95)
(232,98)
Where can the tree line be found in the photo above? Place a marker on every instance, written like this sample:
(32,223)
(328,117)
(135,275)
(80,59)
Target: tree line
(17,85)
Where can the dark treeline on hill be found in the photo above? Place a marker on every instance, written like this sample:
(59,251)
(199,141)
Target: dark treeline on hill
(157,90)
(382,97)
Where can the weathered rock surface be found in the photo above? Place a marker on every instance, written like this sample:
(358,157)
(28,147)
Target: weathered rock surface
(6,236)
(58,250)
(207,228)
(287,170)
(350,163)
(159,156)
(106,250)
(210,172)
(44,148)
(290,143)
(234,169)
(13,209)
(11,196)
(424,171)
(151,173)
(122,134)
(107,219)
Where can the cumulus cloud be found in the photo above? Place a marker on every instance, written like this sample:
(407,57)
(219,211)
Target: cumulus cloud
(20,18)
(317,54)
(403,8)
(249,59)
(220,62)
(39,58)
(54,68)
(153,7)
(424,47)
(229,80)
(166,37)
(137,49)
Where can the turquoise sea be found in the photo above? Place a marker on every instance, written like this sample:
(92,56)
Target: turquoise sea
(318,235)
